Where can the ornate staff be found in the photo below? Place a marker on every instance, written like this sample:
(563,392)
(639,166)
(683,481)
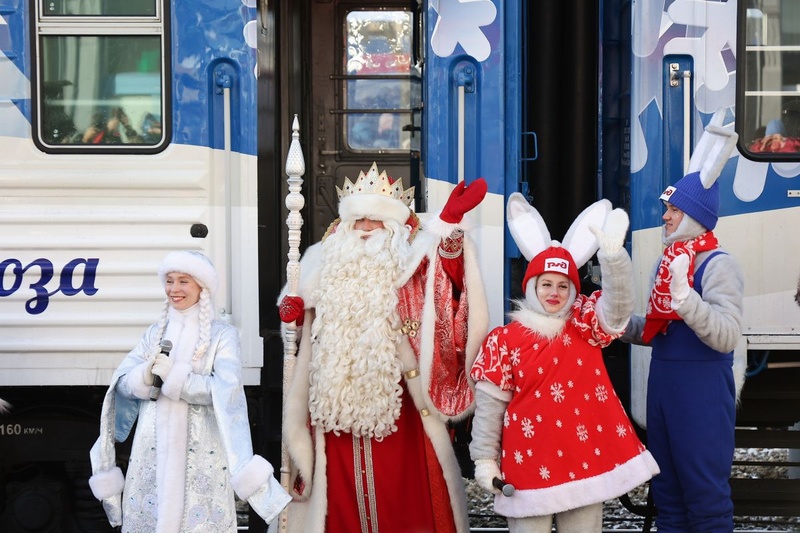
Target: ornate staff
(295,168)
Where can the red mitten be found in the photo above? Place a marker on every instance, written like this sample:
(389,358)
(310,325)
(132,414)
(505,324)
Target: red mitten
(463,199)
(292,309)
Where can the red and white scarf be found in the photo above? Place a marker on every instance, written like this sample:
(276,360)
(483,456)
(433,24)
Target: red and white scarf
(659,308)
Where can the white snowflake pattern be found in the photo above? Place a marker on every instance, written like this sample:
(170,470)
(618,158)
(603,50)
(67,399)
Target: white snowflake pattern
(544,472)
(599,428)
(570,384)
(583,434)
(559,424)
(515,356)
(517,389)
(567,340)
(506,420)
(460,23)
(572,475)
(560,453)
(536,347)
(555,360)
(601,393)
(529,452)
(597,452)
(514,417)
(537,394)
(518,457)
(540,370)
(597,372)
(622,431)
(586,396)
(577,412)
(521,373)
(557,392)
(585,465)
(527,427)
(579,361)
(539,418)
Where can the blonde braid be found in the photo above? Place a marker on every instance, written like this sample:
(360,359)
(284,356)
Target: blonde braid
(162,327)
(206,316)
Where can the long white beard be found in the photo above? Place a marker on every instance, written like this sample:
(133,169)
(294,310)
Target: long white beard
(355,374)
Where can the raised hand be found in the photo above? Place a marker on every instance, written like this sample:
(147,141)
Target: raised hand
(463,199)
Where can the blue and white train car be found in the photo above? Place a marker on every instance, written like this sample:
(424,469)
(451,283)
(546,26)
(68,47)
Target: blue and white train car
(129,129)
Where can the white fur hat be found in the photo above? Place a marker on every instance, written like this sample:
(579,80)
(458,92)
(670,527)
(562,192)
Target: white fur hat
(196,264)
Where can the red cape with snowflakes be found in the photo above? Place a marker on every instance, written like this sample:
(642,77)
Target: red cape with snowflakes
(567,441)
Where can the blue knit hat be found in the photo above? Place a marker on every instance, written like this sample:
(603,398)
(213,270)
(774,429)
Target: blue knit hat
(689,195)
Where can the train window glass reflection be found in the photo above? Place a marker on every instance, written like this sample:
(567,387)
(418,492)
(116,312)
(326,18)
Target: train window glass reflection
(770,122)
(106,8)
(379,81)
(100,90)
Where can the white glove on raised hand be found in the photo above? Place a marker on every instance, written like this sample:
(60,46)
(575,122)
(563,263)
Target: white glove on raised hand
(147,374)
(485,471)
(162,366)
(679,286)
(612,236)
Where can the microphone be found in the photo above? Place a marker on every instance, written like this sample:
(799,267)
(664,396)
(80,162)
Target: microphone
(506,488)
(155,390)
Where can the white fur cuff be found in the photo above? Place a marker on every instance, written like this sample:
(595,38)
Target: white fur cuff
(173,385)
(107,484)
(251,477)
(443,229)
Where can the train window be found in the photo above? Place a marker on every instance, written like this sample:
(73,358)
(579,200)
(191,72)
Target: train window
(100,81)
(769,84)
(76,8)
(381,93)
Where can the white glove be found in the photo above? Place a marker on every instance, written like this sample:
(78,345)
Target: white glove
(162,366)
(679,286)
(485,471)
(612,236)
(147,375)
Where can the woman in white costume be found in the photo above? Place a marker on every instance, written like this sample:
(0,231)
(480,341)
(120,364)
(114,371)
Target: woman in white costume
(192,446)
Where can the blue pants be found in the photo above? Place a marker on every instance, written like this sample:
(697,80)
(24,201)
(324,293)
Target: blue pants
(691,412)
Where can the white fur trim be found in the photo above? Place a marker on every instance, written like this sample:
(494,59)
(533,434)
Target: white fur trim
(107,484)
(193,263)
(251,477)
(176,378)
(373,207)
(439,437)
(296,433)
(443,229)
(551,500)
(544,325)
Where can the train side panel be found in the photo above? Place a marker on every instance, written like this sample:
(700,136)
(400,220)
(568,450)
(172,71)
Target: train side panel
(758,209)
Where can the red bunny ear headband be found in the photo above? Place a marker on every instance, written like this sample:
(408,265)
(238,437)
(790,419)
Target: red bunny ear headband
(531,235)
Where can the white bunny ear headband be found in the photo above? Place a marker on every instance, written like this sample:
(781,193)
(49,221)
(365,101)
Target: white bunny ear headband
(697,193)
(532,236)
(713,150)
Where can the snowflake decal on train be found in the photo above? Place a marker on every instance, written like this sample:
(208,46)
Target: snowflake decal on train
(460,22)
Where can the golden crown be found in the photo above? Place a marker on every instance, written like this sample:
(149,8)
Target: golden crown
(374,183)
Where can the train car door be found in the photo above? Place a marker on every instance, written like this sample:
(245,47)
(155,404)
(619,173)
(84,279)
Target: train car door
(364,99)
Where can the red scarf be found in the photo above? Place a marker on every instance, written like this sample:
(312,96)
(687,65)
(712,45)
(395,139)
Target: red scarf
(659,308)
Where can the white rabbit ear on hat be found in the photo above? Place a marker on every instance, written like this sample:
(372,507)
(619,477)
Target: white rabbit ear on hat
(527,226)
(580,240)
(713,149)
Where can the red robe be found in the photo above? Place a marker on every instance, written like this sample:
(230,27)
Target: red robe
(567,441)
(409,481)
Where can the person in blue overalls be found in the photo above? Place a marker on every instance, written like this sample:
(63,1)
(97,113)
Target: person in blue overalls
(693,323)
